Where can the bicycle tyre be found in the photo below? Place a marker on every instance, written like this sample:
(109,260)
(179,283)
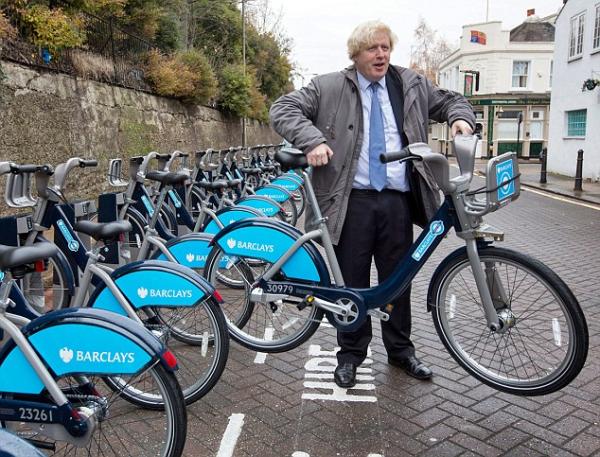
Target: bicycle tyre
(272,327)
(299,197)
(201,355)
(555,352)
(123,430)
(42,295)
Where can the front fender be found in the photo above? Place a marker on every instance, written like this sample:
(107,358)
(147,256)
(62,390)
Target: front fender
(269,239)
(79,341)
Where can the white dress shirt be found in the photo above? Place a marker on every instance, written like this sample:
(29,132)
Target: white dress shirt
(396,172)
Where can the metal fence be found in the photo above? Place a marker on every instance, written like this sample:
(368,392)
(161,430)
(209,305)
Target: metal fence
(109,55)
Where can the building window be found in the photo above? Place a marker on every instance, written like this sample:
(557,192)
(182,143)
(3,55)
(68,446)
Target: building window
(576,36)
(520,73)
(596,42)
(576,122)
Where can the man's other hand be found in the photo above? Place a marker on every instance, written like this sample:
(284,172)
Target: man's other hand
(319,155)
(461,126)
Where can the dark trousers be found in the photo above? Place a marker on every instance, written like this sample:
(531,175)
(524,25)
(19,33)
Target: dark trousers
(377,225)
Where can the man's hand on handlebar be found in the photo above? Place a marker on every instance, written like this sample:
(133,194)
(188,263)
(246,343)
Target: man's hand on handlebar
(461,126)
(319,155)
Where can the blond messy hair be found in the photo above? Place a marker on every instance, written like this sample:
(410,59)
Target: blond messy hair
(363,37)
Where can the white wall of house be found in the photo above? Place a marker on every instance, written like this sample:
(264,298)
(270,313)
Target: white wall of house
(496,62)
(567,95)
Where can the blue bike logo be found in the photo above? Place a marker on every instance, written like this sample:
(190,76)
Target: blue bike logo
(435,229)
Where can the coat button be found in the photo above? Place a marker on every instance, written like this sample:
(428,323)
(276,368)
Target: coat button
(351,127)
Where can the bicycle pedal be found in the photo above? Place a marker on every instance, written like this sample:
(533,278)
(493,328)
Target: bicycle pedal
(378,314)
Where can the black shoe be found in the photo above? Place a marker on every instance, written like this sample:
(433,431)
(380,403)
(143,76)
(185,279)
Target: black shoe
(345,375)
(412,366)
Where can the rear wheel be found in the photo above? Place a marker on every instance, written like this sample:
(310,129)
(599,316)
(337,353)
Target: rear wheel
(543,342)
(276,326)
(198,338)
(47,290)
(120,427)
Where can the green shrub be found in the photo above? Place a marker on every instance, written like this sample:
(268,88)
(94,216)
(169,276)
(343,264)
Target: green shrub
(185,75)
(52,28)
(240,94)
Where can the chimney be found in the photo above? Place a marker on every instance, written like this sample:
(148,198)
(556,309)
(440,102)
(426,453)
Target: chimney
(531,12)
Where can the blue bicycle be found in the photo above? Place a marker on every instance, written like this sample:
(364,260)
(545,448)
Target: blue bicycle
(506,318)
(65,378)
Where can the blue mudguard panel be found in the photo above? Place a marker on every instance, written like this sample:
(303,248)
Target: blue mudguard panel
(267,239)
(78,341)
(288,184)
(190,250)
(275,193)
(228,216)
(153,283)
(265,205)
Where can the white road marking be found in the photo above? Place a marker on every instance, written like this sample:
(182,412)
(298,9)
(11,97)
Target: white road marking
(321,367)
(231,435)
(262,356)
(204,348)
(562,199)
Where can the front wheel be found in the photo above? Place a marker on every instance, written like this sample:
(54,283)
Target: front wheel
(543,343)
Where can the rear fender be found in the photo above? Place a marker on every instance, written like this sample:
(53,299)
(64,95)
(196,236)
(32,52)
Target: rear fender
(269,239)
(265,205)
(228,216)
(190,250)
(153,283)
(289,184)
(80,341)
(276,193)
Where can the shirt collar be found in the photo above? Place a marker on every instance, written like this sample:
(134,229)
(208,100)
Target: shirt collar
(364,83)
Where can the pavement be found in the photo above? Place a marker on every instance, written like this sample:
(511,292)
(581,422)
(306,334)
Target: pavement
(557,184)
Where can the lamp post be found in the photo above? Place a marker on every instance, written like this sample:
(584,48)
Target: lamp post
(244,65)
(519,120)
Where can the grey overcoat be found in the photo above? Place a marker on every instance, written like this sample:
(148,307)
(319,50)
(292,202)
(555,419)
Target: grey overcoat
(329,110)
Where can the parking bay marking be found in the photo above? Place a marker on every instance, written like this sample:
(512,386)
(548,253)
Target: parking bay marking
(322,366)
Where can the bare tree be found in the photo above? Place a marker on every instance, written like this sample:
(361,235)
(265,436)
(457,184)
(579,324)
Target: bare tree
(428,50)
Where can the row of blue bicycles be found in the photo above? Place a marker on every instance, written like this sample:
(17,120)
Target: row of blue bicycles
(133,302)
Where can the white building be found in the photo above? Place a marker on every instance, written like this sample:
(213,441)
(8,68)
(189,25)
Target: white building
(575,113)
(514,68)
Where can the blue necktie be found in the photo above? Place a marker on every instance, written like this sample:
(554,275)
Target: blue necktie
(377,170)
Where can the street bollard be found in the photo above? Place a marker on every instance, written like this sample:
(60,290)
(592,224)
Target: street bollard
(579,171)
(544,159)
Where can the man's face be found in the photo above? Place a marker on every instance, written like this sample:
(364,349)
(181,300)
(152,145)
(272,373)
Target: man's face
(373,62)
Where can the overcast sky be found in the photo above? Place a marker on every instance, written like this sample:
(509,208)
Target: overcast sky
(319,28)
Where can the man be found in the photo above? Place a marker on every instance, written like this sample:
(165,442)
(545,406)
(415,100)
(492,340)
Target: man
(343,121)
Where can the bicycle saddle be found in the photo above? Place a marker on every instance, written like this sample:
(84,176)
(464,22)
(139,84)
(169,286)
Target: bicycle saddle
(217,184)
(291,158)
(103,230)
(15,256)
(166,177)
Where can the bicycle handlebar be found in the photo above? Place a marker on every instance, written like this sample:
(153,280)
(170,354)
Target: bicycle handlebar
(88,163)
(403,154)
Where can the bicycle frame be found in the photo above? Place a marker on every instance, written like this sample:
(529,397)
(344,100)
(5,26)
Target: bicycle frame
(454,213)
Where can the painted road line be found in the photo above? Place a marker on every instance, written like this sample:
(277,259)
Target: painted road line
(560,198)
(321,366)
(262,356)
(232,433)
